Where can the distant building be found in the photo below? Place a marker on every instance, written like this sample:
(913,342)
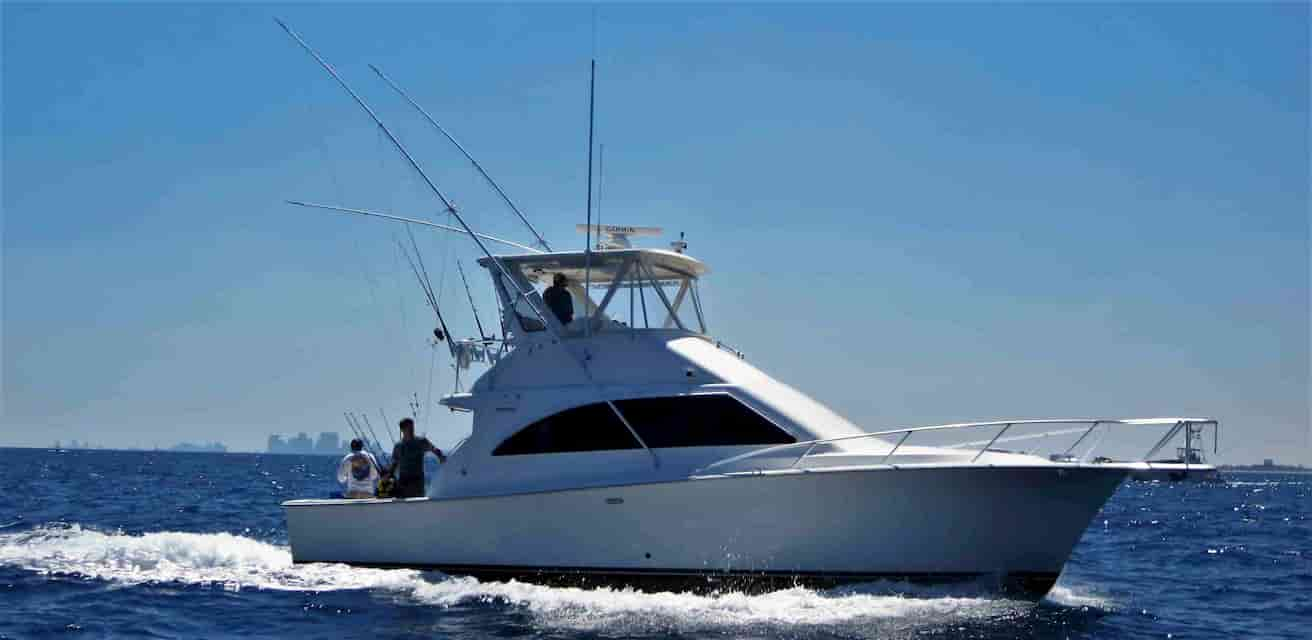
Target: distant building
(1268,462)
(301,443)
(329,443)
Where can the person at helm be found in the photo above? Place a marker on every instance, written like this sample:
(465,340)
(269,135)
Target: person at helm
(559,300)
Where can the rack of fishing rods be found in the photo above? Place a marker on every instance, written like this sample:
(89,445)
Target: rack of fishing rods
(362,429)
(516,290)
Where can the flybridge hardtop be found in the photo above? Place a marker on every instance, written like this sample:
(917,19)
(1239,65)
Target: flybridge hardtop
(621,444)
(605,265)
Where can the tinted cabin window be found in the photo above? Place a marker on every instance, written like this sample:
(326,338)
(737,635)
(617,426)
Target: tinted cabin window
(683,421)
(591,427)
(699,421)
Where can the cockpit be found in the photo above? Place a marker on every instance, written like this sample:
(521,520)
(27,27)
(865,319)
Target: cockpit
(610,290)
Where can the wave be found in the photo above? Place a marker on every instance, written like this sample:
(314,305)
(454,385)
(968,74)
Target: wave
(233,562)
(1263,483)
(236,563)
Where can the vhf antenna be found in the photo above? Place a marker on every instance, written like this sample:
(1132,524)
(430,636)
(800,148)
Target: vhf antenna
(587,248)
(601,179)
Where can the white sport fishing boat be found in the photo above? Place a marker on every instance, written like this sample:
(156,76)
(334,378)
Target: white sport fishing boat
(655,456)
(647,453)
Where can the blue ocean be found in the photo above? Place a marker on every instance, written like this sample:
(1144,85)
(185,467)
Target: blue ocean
(193,545)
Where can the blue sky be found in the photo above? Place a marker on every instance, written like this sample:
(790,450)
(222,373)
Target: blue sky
(916,214)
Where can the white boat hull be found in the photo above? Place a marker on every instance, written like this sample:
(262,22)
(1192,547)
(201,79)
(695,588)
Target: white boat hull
(824,527)
(1176,472)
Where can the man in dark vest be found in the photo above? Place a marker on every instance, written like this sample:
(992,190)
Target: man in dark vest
(408,459)
(558,299)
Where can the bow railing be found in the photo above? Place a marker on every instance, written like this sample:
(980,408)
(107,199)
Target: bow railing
(807,447)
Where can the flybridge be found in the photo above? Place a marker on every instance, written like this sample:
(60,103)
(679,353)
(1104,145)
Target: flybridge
(641,274)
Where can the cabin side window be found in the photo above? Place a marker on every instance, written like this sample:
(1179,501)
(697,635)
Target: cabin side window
(711,420)
(591,427)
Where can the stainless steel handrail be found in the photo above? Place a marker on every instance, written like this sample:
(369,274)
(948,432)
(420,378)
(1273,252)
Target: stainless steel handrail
(809,446)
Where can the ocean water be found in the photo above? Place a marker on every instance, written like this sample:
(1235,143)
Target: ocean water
(155,544)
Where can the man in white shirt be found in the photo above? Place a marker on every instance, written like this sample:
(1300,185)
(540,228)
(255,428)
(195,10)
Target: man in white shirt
(358,471)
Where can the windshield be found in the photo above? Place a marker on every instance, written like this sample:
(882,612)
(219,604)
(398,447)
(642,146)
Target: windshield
(629,295)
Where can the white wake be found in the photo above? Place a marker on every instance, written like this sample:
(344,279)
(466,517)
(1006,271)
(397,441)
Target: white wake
(236,563)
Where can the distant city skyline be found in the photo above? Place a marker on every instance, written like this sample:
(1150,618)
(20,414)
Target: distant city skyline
(327,443)
(915,214)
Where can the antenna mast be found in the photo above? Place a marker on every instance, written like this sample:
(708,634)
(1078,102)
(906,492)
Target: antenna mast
(587,249)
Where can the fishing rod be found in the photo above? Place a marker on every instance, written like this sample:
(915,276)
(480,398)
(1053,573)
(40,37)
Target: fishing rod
(371,446)
(424,285)
(425,223)
(449,207)
(359,436)
(481,334)
(424,112)
(428,284)
(414,406)
(443,334)
(386,422)
(351,425)
(371,430)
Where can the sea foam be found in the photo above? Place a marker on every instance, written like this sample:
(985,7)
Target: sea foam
(239,563)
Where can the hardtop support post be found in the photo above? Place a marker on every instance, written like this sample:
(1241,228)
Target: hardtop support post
(678,302)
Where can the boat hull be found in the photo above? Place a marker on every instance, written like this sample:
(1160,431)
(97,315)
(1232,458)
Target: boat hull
(1177,472)
(1013,526)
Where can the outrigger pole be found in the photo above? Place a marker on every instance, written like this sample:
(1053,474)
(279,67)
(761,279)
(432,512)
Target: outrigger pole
(424,223)
(450,208)
(493,183)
